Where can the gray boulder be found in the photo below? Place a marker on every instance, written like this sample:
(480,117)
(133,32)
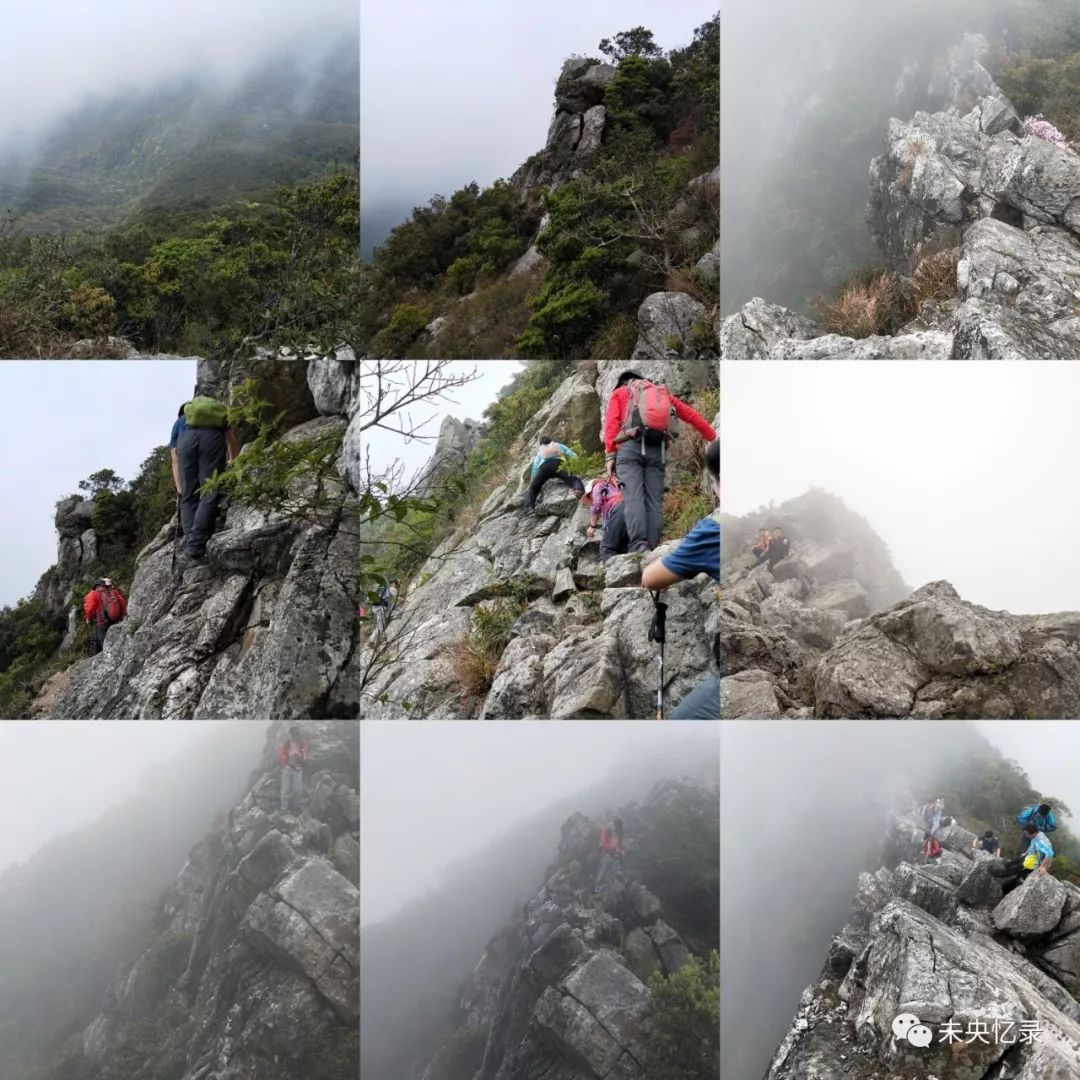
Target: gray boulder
(671,324)
(979,887)
(1033,908)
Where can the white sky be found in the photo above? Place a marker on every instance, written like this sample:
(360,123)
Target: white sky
(60,421)
(967,470)
(466,403)
(62,775)
(451,93)
(460,785)
(57,53)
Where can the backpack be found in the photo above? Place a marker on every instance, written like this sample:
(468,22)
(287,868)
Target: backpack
(205,412)
(110,606)
(651,411)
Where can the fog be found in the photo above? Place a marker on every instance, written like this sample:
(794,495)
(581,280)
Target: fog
(458,823)
(965,470)
(802,810)
(806,94)
(452,93)
(59,53)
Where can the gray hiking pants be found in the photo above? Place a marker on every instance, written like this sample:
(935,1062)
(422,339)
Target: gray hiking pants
(199,451)
(613,542)
(643,493)
(702,703)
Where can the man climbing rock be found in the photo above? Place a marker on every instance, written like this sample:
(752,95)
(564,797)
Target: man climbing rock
(604,500)
(103,606)
(292,754)
(547,465)
(699,553)
(388,599)
(1038,814)
(638,426)
(988,842)
(1037,856)
(611,853)
(205,445)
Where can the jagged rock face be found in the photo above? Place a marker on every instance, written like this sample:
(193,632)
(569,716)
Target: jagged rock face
(559,992)
(967,175)
(919,943)
(565,659)
(456,439)
(270,933)
(267,627)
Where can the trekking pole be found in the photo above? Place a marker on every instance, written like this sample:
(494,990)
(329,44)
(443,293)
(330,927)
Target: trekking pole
(176,535)
(658,633)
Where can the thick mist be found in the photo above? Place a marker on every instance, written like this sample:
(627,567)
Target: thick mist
(963,470)
(806,94)
(803,807)
(476,825)
(60,53)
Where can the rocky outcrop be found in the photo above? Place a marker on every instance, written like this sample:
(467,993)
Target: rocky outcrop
(257,957)
(825,634)
(968,177)
(561,990)
(922,941)
(267,626)
(579,647)
(456,440)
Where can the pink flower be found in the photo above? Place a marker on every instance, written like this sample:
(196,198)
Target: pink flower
(1041,128)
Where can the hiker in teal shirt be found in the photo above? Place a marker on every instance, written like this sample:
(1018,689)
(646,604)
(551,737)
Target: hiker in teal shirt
(547,465)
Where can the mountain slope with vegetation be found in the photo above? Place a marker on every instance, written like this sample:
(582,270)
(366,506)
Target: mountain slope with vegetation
(622,202)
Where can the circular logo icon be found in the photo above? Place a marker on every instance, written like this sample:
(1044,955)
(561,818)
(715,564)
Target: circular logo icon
(920,1035)
(903,1024)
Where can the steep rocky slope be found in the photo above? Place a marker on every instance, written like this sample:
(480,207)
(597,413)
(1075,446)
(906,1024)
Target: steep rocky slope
(940,942)
(579,648)
(254,971)
(267,627)
(969,177)
(561,990)
(832,632)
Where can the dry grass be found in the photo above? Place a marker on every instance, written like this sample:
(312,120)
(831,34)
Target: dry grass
(616,339)
(682,280)
(473,670)
(934,277)
(864,306)
(486,326)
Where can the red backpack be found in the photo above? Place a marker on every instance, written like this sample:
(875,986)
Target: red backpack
(650,409)
(111,606)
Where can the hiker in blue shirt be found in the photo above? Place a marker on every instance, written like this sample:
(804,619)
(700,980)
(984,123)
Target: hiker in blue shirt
(1037,856)
(547,466)
(1038,814)
(699,553)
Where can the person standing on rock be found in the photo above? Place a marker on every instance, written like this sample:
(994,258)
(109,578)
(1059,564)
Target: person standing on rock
(205,445)
(547,465)
(611,853)
(779,546)
(1038,814)
(292,754)
(103,606)
(638,425)
(606,510)
(698,553)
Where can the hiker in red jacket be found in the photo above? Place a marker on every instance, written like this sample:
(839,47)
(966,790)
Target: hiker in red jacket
(638,425)
(291,755)
(103,606)
(931,847)
(611,849)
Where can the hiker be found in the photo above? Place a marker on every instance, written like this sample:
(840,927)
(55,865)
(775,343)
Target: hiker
(547,465)
(388,598)
(291,755)
(205,445)
(178,428)
(611,849)
(1038,814)
(1037,856)
(779,546)
(638,425)
(936,812)
(698,553)
(103,606)
(988,842)
(931,848)
(760,550)
(606,510)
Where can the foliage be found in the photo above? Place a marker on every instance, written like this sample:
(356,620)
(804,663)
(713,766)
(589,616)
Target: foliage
(639,97)
(584,465)
(863,305)
(636,42)
(407,322)
(154,1049)
(102,480)
(685,1041)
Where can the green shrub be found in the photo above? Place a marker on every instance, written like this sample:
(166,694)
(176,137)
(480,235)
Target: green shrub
(407,323)
(685,1041)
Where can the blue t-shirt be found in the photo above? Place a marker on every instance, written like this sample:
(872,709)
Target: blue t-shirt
(1039,848)
(698,553)
(177,428)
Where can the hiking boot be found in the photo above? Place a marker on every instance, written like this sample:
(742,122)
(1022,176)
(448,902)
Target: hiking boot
(528,512)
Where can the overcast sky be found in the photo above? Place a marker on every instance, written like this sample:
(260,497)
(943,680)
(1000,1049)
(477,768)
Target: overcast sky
(467,402)
(60,421)
(62,775)
(966,470)
(460,785)
(1047,750)
(56,53)
(452,93)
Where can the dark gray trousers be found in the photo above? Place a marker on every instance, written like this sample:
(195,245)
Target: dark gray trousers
(643,493)
(200,451)
(613,541)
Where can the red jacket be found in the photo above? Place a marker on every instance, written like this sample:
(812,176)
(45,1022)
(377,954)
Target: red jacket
(932,848)
(283,752)
(619,406)
(610,843)
(94,606)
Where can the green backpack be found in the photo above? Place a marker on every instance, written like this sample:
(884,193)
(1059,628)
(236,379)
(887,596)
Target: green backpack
(205,412)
